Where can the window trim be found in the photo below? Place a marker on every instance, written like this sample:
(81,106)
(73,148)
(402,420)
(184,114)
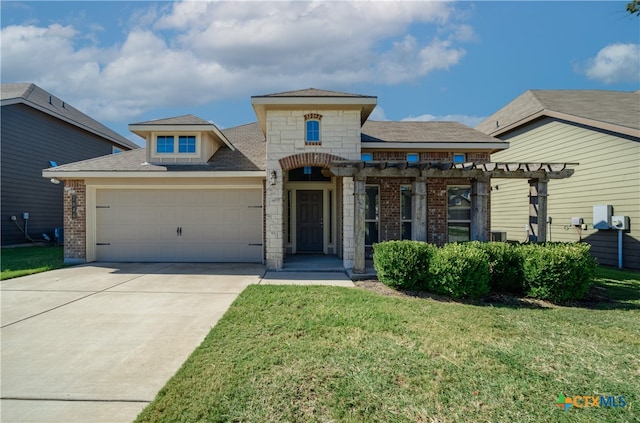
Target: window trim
(404,220)
(458,221)
(308,141)
(176,145)
(463,155)
(377,214)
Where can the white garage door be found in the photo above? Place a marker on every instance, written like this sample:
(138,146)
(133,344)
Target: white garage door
(179,225)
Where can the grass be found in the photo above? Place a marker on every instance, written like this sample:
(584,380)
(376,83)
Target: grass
(319,354)
(21,261)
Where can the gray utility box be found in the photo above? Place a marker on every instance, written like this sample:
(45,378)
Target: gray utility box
(602,216)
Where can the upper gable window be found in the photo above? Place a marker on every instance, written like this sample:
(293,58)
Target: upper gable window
(186,144)
(164,144)
(177,145)
(312,128)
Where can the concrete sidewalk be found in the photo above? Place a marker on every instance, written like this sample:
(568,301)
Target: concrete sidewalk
(95,343)
(306,278)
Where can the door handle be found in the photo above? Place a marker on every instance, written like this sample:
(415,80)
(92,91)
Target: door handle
(179,231)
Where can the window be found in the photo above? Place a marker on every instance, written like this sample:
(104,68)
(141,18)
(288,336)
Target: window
(459,213)
(115,150)
(371,214)
(164,144)
(405,212)
(313,132)
(366,157)
(413,157)
(459,158)
(186,144)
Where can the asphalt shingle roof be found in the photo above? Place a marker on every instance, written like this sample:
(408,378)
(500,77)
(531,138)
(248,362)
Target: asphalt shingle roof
(250,155)
(598,106)
(313,92)
(178,120)
(34,96)
(409,131)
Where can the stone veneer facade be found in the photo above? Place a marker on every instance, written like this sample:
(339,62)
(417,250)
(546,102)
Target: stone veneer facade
(340,138)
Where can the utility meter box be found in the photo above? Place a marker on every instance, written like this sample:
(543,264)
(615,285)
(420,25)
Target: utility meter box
(602,216)
(577,221)
(620,223)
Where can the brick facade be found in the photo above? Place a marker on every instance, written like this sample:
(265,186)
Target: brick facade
(75,218)
(437,232)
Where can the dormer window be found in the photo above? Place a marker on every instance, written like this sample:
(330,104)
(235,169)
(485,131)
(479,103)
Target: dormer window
(164,144)
(312,128)
(186,144)
(176,145)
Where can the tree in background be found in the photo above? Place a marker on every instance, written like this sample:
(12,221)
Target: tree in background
(634,7)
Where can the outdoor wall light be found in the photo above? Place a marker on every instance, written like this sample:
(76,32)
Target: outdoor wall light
(54,181)
(272,177)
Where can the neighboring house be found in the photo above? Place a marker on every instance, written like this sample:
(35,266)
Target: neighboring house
(312,176)
(38,131)
(600,130)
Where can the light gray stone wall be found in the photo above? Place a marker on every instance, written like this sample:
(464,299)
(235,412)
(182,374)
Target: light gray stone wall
(339,135)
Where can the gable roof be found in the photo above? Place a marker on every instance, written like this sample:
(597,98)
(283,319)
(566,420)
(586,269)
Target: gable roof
(249,154)
(313,92)
(407,134)
(312,98)
(39,99)
(183,123)
(615,111)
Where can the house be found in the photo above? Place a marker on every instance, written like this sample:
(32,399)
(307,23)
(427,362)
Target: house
(39,130)
(313,175)
(600,130)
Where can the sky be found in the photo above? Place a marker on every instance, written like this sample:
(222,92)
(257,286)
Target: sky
(124,62)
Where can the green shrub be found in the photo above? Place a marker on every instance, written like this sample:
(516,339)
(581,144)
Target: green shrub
(403,264)
(460,270)
(557,271)
(505,267)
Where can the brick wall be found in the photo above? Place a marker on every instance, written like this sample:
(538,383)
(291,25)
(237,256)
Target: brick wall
(389,225)
(75,221)
(431,156)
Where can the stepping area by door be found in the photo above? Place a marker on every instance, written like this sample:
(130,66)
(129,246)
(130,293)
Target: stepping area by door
(97,342)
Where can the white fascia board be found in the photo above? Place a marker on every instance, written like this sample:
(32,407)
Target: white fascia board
(151,174)
(434,146)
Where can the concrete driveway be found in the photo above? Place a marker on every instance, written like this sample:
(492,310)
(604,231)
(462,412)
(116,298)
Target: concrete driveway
(97,342)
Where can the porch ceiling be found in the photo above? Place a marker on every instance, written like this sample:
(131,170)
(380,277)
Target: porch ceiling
(360,169)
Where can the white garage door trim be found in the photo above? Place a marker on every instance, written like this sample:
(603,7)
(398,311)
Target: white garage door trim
(180,225)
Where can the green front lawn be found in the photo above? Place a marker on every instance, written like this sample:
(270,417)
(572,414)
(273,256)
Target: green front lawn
(21,261)
(299,354)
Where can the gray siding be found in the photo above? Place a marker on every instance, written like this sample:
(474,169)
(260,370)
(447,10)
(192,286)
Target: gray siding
(609,173)
(30,139)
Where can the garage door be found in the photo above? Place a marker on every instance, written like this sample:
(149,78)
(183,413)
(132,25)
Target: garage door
(179,225)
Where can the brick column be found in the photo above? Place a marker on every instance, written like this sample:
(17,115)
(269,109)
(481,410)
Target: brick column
(479,210)
(419,224)
(537,210)
(75,221)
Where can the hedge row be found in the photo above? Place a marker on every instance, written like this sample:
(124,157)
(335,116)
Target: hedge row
(549,271)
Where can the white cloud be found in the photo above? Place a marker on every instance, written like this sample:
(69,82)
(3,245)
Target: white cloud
(470,121)
(192,53)
(616,63)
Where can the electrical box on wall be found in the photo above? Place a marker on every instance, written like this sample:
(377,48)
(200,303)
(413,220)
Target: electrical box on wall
(577,221)
(620,223)
(602,216)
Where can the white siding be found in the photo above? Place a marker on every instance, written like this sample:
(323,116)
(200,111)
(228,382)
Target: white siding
(608,173)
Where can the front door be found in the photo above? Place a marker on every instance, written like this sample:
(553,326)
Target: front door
(309,221)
